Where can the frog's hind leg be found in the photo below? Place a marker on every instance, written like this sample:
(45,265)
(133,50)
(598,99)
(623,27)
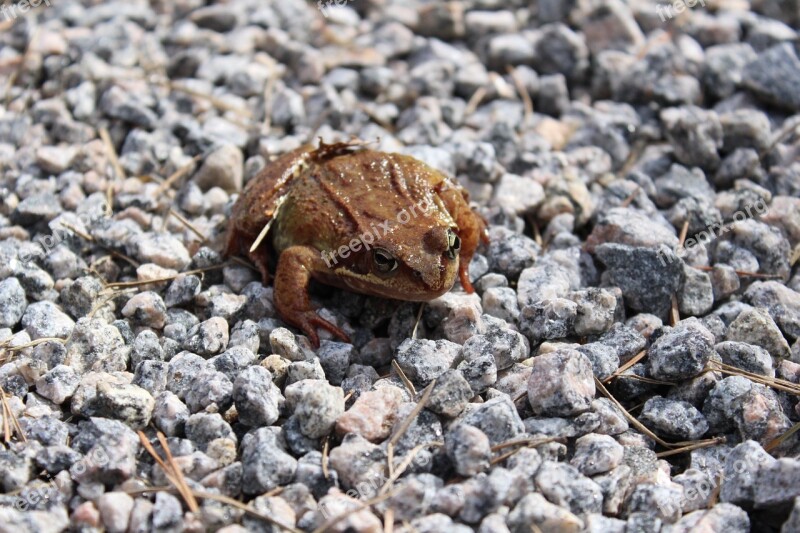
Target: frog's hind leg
(236,245)
(292,278)
(471,227)
(260,258)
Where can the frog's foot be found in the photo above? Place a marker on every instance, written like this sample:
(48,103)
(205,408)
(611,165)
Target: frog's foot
(309,321)
(292,278)
(471,227)
(485,231)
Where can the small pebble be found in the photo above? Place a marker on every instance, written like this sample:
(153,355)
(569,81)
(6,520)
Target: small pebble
(316,404)
(561,383)
(373,414)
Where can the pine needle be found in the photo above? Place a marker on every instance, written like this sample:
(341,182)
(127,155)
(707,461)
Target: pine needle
(674,313)
(178,174)
(475,101)
(527,103)
(416,323)
(189,225)
(684,231)
(621,370)
(407,460)
(324,461)
(407,382)
(222,499)
(388,521)
(171,470)
(775,443)
(522,443)
(413,414)
(111,152)
(10,422)
(217,102)
(137,283)
(243,507)
(775,383)
(631,197)
(741,273)
(361,505)
(694,446)
(406,424)
(638,425)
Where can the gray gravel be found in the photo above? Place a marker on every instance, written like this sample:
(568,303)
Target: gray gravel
(638,171)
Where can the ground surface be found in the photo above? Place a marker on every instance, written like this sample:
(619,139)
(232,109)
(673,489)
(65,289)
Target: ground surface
(630,361)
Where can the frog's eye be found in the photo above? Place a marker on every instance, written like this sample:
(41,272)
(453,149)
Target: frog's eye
(384,261)
(453,244)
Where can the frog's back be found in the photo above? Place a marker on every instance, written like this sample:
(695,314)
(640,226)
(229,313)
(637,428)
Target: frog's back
(352,194)
(367,176)
(325,197)
(258,200)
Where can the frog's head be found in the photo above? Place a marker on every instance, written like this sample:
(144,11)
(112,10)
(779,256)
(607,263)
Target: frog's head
(404,267)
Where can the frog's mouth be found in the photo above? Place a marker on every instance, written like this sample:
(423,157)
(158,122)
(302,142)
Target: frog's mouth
(400,292)
(407,285)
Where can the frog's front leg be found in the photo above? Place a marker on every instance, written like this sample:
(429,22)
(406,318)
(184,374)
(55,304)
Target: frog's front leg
(292,277)
(471,227)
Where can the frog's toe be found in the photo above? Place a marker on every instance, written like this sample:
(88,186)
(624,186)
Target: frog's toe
(463,277)
(309,321)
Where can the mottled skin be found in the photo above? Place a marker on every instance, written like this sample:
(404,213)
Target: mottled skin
(321,201)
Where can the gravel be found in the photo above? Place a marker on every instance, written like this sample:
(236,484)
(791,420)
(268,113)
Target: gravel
(258,401)
(561,383)
(681,352)
(638,174)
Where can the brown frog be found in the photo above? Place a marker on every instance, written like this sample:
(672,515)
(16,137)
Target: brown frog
(376,223)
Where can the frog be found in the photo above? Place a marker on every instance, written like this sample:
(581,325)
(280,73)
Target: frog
(376,223)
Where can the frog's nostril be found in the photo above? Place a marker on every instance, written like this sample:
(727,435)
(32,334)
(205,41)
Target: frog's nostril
(435,240)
